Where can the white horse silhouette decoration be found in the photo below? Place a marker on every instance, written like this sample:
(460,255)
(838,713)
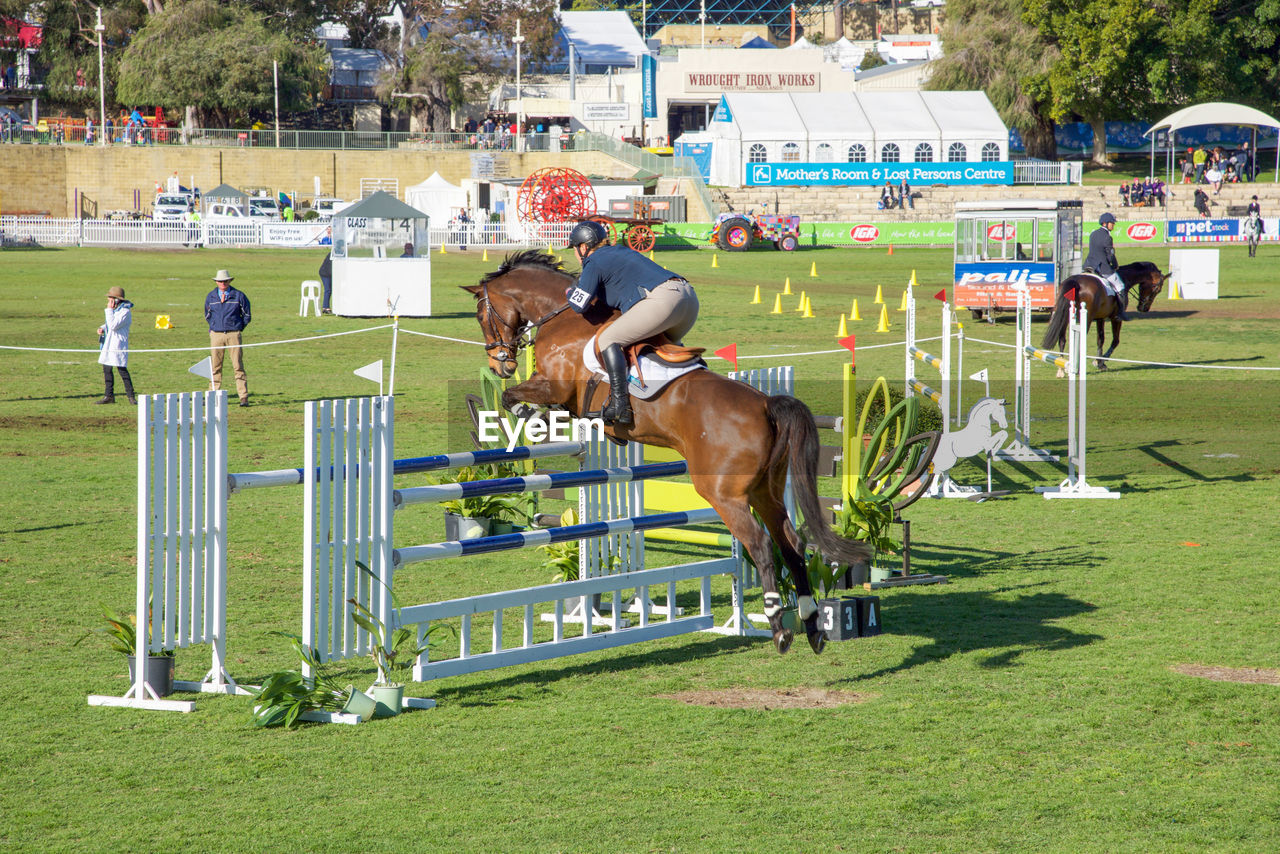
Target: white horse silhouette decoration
(979,434)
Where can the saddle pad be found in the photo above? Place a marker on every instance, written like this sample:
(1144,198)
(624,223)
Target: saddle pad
(1106,284)
(657,374)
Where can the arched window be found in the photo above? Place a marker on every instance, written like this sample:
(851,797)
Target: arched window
(889,153)
(791,152)
(924,153)
(756,154)
(957,153)
(990,152)
(825,153)
(857,153)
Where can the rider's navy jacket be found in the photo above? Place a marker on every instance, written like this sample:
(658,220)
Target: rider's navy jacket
(1102,253)
(231,315)
(615,275)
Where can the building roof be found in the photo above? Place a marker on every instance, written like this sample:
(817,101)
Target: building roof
(964,115)
(380,205)
(602,38)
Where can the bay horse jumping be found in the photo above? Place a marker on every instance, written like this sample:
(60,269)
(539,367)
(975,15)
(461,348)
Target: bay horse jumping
(738,441)
(1093,295)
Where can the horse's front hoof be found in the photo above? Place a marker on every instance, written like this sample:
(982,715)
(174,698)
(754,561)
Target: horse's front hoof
(782,640)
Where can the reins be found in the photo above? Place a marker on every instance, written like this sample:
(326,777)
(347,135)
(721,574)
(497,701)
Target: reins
(524,338)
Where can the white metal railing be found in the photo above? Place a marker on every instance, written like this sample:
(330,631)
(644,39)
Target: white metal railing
(49,231)
(1048,172)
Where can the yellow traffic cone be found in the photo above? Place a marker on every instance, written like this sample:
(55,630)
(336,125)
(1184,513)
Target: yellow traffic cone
(755,300)
(879,300)
(777,304)
(884,319)
(486,255)
(551,251)
(853,314)
(843,331)
(715,260)
(903,307)
(1174,291)
(913,279)
(808,308)
(813,270)
(800,306)
(786,287)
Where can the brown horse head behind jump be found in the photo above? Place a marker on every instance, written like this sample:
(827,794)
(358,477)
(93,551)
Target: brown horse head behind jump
(1091,294)
(738,442)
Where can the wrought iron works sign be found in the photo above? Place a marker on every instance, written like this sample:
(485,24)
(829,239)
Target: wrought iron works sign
(751,81)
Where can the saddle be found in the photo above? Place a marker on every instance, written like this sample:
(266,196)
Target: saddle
(659,347)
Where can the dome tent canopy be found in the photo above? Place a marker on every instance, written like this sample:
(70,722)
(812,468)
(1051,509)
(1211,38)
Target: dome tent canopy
(1211,113)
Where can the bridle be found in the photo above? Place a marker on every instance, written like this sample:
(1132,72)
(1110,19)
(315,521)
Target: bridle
(492,322)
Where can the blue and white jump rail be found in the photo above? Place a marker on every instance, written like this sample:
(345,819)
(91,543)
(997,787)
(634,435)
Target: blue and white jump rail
(350,504)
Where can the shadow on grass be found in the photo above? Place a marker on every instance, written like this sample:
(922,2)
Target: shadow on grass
(963,622)
(962,562)
(1151,450)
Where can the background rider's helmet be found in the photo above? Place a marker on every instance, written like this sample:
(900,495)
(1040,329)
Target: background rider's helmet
(588,233)
(1106,218)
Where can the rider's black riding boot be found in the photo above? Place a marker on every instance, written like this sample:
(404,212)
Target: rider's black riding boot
(618,410)
(1124,305)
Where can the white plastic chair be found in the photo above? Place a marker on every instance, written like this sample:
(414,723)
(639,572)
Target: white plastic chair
(310,296)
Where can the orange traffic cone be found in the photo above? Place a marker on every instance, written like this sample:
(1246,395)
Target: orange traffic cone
(890,248)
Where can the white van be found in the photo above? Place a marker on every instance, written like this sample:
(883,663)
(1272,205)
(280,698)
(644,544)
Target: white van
(264,207)
(327,206)
(170,206)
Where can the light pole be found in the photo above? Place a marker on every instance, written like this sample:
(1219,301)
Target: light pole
(519,40)
(102,84)
(702,18)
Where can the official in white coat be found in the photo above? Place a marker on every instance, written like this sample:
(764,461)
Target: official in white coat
(113,337)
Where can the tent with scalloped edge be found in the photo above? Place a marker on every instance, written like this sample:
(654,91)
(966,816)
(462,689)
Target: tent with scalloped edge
(1210,113)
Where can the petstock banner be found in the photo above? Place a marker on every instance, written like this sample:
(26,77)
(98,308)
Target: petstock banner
(847,174)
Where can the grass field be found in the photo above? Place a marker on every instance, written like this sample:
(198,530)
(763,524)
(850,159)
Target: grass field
(1037,702)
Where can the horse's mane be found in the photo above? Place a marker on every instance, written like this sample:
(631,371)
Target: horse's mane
(528,258)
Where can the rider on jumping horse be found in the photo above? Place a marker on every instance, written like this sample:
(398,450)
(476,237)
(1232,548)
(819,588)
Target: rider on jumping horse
(652,299)
(1102,260)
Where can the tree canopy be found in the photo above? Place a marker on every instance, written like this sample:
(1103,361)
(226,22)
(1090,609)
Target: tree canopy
(217,58)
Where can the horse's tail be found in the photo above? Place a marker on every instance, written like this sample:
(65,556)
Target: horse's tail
(1056,334)
(796,436)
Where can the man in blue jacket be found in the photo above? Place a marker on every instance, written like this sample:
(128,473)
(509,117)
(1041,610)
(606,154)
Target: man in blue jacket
(652,299)
(227,311)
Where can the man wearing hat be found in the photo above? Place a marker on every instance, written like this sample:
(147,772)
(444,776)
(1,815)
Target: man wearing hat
(227,311)
(113,338)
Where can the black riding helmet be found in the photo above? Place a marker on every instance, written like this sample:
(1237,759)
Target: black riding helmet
(588,233)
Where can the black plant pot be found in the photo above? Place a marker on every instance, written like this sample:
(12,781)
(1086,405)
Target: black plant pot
(159,673)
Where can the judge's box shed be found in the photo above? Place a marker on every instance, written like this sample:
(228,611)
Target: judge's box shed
(381,260)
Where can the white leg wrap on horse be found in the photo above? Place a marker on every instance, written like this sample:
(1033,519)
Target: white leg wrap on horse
(772,604)
(807,607)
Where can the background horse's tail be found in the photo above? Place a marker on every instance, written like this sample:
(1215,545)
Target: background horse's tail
(1056,334)
(797,438)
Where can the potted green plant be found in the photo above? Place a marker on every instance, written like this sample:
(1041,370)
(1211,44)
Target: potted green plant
(286,696)
(467,518)
(122,636)
(391,651)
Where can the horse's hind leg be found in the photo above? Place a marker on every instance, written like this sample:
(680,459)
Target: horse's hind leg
(770,509)
(737,517)
(1102,337)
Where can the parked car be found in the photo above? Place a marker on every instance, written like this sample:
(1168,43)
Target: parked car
(171,206)
(326,206)
(226,212)
(264,207)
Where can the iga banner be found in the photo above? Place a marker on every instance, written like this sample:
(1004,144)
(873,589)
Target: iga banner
(880,233)
(1142,231)
(844,174)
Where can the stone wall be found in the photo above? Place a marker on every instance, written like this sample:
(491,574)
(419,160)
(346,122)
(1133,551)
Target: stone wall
(46,179)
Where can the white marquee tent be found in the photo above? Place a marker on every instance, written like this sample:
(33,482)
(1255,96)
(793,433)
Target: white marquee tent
(795,127)
(436,198)
(1211,113)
